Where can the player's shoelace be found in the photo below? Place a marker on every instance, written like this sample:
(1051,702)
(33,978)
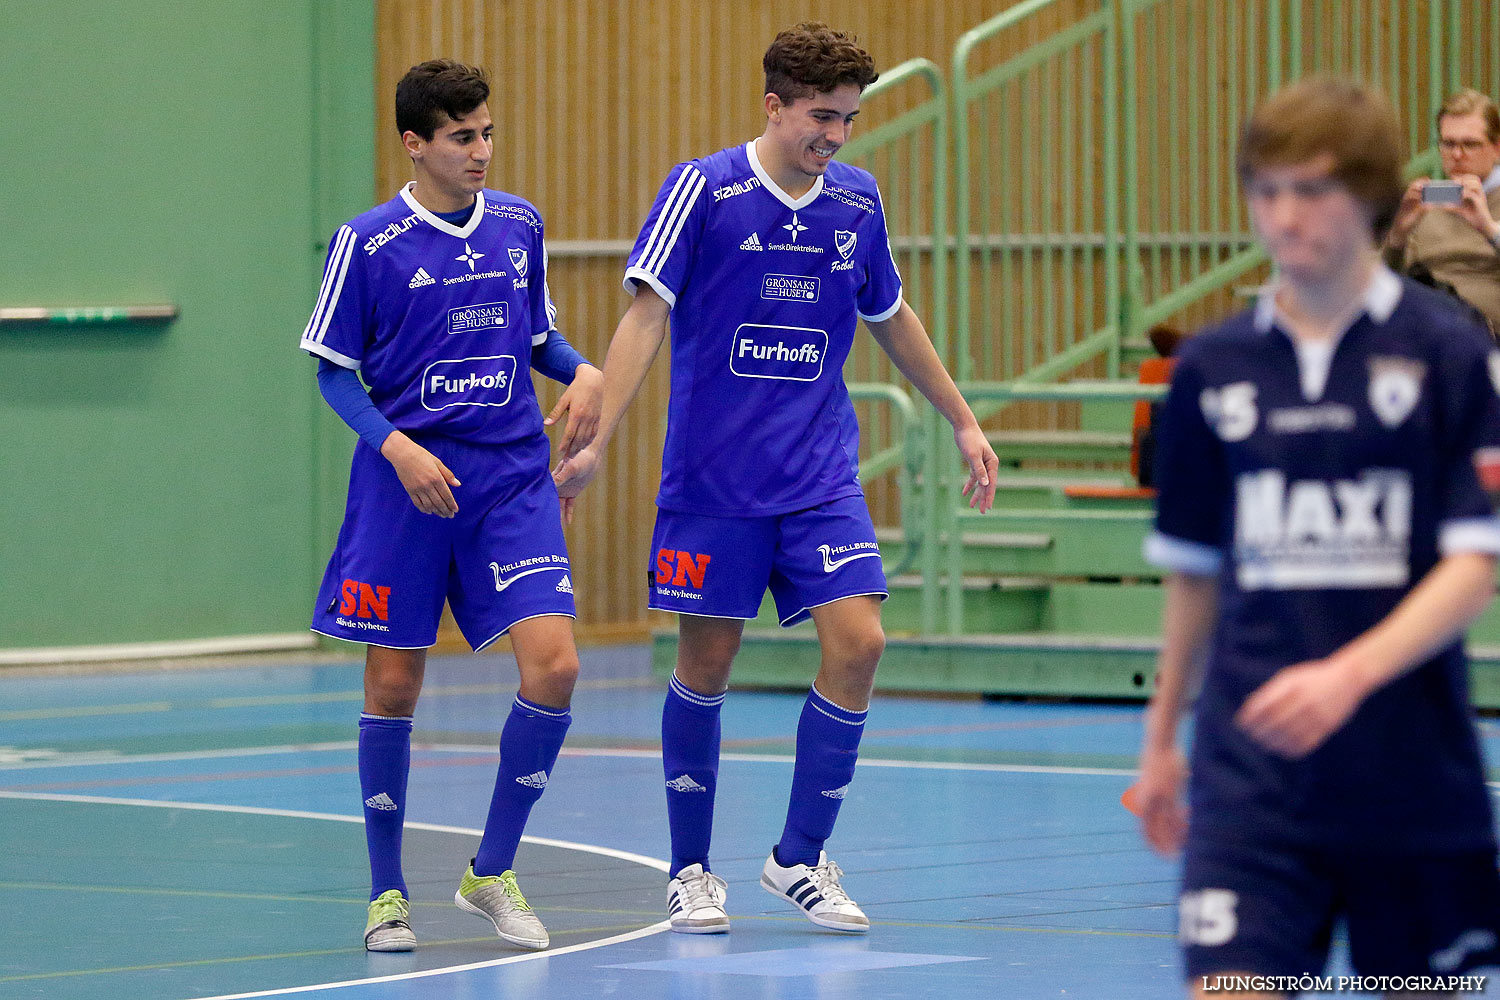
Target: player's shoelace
(508,883)
(826,877)
(391,907)
(700,889)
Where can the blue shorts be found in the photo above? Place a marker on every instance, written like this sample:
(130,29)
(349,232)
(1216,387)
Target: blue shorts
(1271,911)
(719,567)
(501,560)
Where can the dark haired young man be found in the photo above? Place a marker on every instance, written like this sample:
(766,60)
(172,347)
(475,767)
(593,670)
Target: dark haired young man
(765,255)
(1325,510)
(439,297)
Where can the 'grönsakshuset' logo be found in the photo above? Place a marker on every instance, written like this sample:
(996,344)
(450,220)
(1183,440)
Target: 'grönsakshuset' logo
(789,353)
(468,382)
(480,316)
(790,288)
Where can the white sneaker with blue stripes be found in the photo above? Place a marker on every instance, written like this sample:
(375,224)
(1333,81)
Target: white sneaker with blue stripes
(816,892)
(695,902)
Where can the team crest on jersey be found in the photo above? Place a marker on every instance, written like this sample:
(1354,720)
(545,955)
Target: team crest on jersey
(1230,410)
(1395,387)
(843,242)
(518,260)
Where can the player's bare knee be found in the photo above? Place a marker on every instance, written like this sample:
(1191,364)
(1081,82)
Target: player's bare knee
(861,651)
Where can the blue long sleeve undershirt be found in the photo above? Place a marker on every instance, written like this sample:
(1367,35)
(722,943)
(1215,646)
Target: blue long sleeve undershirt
(345,394)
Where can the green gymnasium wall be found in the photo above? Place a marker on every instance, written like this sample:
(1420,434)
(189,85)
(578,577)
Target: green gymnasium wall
(172,482)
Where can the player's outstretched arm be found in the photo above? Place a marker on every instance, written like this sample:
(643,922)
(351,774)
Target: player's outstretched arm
(1294,712)
(1187,622)
(632,350)
(905,340)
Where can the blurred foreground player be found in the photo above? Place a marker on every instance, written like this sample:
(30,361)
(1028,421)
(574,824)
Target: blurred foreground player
(1325,512)
(766,255)
(439,297)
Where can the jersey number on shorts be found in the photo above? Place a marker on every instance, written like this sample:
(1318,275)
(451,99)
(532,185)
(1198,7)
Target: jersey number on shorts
(1207,917)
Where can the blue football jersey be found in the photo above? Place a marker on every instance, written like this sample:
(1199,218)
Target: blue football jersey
(1319,511)
(766,291)
(440,319)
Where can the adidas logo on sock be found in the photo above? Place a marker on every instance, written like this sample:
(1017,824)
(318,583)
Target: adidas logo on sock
(421,278)
(382,802)
(836,793)
(752,242)
(683,783)
(565,585)
(537,779)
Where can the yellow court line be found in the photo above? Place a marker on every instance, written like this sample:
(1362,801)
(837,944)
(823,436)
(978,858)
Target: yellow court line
(21,715)
(188,963)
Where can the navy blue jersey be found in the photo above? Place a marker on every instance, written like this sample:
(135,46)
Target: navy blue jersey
(440,319)
(1318,514)
(766,291)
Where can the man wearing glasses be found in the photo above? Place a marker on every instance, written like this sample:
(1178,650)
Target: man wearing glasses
(1455,233)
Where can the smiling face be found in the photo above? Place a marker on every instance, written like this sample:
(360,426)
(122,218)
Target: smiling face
(806,132)
(451,166)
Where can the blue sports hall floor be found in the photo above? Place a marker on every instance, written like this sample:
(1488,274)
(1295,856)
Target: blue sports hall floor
(193,832)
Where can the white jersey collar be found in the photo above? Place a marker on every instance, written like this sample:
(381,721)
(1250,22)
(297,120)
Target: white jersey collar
(1379,300)
(465,231)
(775,189)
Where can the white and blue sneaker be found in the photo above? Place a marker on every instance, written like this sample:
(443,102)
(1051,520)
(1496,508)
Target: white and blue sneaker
(816,892)
(695,902)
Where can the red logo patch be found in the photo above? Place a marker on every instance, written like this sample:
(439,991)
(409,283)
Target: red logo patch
(681,569)
(364,601)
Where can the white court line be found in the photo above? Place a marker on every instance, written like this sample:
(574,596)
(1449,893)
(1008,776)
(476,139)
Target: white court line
(626,752)
(567,845)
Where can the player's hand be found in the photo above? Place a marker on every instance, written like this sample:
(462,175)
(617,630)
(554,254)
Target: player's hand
(1474,207)
(982,463)
(582,402)
(427,480)
(1295,712)
(1408,213)
(1157,799)
(571,476)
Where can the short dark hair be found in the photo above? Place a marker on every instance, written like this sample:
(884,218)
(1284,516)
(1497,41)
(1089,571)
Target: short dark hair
(436,88)
(1352,122)
(812,58)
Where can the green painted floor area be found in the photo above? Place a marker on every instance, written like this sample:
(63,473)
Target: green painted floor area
(134,902)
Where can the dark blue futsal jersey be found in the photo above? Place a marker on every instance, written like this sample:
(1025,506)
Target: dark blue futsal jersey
(1319,510)
(440,319)
(764,289)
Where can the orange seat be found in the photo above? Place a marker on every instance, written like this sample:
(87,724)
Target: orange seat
(1109,492)
(1154,371)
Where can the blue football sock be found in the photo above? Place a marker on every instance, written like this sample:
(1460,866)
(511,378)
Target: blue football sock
(384,762)
(690,760)
(827,748)
(529,743)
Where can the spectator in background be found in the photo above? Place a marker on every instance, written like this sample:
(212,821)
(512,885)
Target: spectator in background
(1458,244)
